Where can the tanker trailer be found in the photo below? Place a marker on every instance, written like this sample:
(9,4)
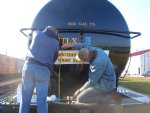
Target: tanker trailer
(95,22)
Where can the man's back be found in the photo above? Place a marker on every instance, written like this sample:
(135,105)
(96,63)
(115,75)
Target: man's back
(43,48)
(104,73)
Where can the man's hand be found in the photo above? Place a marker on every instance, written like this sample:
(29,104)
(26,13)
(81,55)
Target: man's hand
(76,94)
(66,46)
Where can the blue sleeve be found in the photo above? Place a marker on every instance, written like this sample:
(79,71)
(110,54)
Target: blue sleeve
(95,73)
(56,53)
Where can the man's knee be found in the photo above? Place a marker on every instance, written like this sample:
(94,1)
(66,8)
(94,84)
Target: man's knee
(114,95)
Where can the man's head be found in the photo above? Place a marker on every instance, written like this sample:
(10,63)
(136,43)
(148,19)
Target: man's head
(51,32)
(84,55)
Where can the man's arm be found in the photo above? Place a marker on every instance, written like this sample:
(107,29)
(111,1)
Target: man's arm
(73,46)
(95,73)
(79,46)
(57,47)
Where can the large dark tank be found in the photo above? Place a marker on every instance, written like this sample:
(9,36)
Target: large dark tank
(77,19)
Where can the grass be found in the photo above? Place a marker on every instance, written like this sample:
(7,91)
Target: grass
(139,84)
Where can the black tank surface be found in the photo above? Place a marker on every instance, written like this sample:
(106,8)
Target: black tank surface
(77,19)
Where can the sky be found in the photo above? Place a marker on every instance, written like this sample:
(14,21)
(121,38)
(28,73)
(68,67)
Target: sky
(17,14)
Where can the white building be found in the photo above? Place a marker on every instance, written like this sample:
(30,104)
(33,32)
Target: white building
(138,62)
(145,62)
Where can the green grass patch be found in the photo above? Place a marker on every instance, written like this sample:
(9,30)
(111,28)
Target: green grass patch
(139,84)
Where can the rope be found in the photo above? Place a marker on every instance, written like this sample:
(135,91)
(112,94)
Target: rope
(127,67)
(59,78)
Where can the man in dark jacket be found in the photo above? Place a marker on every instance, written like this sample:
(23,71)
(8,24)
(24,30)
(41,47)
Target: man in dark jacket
(42,53)
(102,78)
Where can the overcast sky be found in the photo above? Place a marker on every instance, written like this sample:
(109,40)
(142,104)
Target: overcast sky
(17,14)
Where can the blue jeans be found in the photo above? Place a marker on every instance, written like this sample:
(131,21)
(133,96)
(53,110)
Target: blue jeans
(37,76)
(92,95)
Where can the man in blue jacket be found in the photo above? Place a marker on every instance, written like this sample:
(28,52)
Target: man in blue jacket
(102,78)
(42,53)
